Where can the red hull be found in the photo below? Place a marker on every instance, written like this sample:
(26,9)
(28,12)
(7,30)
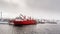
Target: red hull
(24,22)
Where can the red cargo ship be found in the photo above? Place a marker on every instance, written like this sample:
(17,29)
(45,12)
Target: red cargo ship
(22,20)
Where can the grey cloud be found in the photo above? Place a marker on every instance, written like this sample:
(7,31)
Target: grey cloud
(40,8)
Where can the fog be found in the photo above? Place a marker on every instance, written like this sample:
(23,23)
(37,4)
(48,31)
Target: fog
(45,9)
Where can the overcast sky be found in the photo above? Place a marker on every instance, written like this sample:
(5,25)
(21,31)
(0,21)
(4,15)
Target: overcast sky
(47,9)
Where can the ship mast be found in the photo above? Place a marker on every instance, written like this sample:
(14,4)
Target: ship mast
(1,15)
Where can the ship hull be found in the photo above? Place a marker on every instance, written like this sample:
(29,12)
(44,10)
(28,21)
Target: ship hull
(24,22)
